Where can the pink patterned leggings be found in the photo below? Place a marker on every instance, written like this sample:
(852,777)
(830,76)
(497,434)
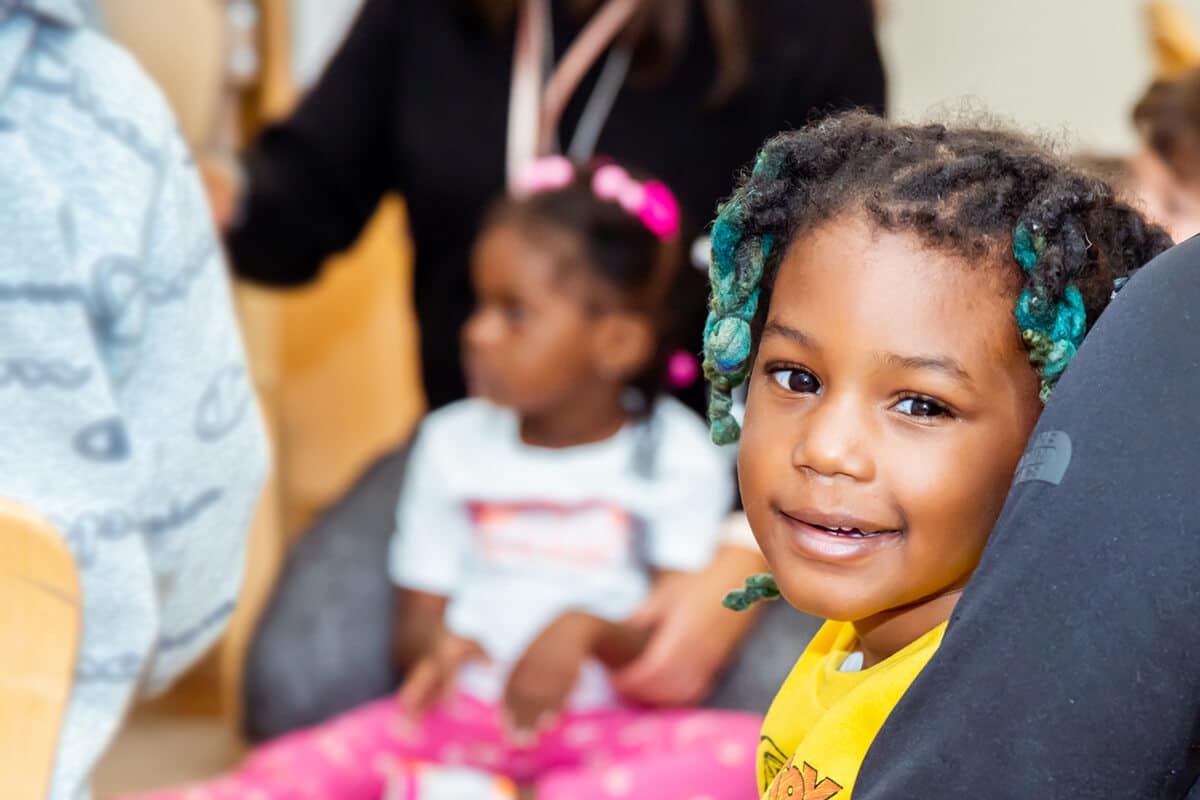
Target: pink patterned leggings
(691,754)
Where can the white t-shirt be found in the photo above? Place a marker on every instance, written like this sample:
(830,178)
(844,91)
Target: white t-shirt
(515,535)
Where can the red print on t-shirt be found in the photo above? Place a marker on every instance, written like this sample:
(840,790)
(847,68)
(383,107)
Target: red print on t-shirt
(535,535)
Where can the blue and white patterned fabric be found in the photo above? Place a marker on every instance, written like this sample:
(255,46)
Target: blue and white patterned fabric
(126,411)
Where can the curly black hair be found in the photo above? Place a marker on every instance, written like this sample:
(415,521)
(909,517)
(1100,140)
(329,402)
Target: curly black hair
(985,194)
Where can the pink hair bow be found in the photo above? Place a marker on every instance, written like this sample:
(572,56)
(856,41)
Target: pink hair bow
(543,175)
(650,202)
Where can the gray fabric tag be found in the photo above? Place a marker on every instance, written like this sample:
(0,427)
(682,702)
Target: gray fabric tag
(1046,459)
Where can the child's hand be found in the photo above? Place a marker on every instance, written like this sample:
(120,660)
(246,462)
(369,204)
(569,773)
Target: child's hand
(545,675)
(432,677)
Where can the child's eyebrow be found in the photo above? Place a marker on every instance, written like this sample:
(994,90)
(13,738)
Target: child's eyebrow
(776,328)
(944,364)
(938,363)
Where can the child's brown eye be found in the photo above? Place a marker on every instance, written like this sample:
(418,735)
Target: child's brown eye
(800,381)
(921,407)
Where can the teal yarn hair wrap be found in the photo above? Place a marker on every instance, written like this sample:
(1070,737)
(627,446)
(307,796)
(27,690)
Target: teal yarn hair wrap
(1034,313)
(1028,245)
(723,426)
(767,164)
(728,338)
(1053,331)
(1064,321)
(735,275)
(726,234)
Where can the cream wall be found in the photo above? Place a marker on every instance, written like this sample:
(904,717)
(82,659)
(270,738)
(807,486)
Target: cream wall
(317,26)
(1069,68)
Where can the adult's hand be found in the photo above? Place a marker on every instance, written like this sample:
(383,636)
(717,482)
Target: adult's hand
(693,634)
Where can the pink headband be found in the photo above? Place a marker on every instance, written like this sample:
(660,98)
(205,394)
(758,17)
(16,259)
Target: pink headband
(651,202)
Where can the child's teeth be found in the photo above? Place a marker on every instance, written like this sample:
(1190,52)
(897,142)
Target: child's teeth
(853,533)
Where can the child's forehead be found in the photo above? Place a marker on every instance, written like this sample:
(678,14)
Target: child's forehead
(848,275)
(905,256)
(547,260)
(524,236)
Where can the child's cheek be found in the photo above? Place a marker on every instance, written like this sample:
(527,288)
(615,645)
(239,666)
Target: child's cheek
(764,459)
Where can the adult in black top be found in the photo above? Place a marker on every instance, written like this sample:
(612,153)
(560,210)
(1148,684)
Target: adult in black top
(1071,666)
(416,102)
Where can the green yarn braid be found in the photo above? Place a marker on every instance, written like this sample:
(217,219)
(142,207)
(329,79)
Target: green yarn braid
(735,273)
(757,587)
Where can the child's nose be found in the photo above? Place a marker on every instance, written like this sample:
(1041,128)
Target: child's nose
(832,440)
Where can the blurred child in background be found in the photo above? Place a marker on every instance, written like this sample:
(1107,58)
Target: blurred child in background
(537,517)
(1167,169)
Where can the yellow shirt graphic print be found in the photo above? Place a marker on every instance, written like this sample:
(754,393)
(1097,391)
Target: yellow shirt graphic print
(800,782)
(822,721)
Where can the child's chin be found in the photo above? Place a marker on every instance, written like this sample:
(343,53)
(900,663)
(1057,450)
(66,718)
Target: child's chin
(823,601)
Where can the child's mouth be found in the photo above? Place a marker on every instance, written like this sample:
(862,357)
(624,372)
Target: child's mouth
(836,538)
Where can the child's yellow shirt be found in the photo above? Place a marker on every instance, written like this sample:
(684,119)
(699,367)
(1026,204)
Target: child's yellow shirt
(822,721)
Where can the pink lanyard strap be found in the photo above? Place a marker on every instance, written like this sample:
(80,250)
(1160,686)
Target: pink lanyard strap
(535,105)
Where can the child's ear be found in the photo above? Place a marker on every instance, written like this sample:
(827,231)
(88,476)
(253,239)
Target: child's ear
(624,344)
